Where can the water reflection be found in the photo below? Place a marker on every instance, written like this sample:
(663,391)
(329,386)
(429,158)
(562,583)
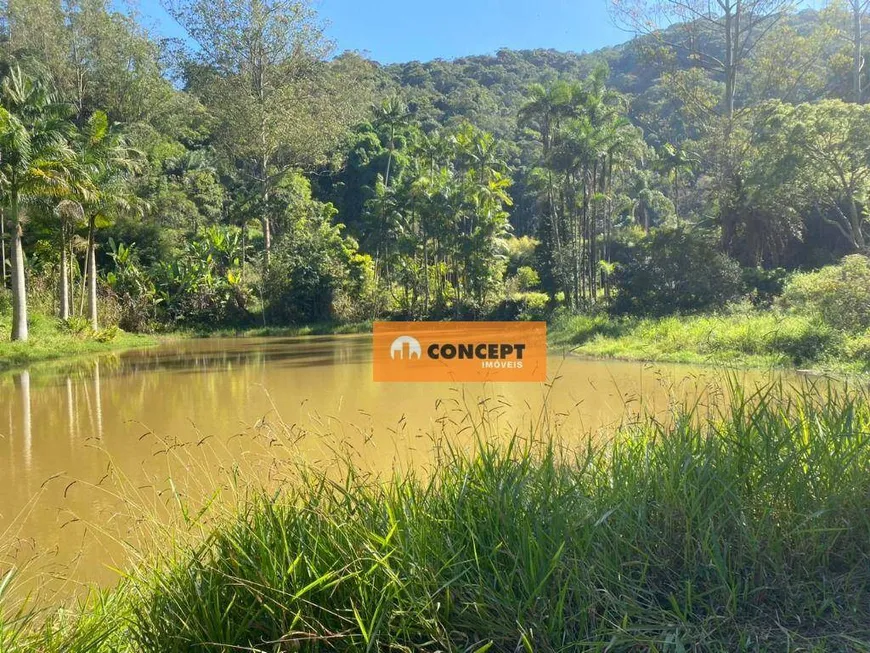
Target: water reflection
(22,383)
(133,415)
(70,411)
(98,400)
(216,354)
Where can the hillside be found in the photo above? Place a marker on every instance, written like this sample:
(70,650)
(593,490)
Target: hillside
(489,89)
(799,64)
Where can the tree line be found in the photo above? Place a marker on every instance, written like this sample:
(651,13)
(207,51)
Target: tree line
(251,174)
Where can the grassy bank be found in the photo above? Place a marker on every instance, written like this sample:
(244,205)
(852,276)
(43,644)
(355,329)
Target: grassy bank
(742,338)
(50,340)
(744,529)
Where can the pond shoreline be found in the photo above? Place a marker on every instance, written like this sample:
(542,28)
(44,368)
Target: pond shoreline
(64,349)
(744,365)
(742,340)
(49,343)
(600,340)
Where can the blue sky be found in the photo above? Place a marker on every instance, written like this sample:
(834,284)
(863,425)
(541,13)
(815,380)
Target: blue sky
(404,30)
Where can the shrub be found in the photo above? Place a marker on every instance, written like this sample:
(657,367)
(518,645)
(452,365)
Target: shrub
(520,252)
(76,324)
(204,284)
(857,348)
(106,335)
(522,306)
(838,294)
(761,286)
(359,298)
(314,271)
(802,340)
(133,288)
(675,270)
(527,279)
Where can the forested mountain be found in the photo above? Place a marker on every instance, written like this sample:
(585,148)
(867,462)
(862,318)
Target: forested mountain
(251,171)
(490,89)
(803,62)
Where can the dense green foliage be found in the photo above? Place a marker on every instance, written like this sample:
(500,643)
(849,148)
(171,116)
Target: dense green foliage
(259,180)
(675,270)
(735,337)
(819,320)
(698,194)
(744,529)
(838,295)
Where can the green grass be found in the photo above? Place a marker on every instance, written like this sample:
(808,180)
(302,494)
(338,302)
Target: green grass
(49,340)
(745,528)
(744,338)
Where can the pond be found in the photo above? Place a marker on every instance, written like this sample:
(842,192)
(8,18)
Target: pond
(86,445)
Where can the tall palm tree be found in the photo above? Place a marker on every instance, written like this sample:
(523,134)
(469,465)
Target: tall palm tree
(2,251)
(586,139)
(106,162)
(547,108)
(35,162)
(391,116)
(545,112)
(68,213)
(675,163)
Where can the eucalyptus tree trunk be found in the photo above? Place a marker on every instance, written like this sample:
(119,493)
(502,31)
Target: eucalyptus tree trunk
(265,219)
(19,290)
(732,25)
(267,239)
(858,55)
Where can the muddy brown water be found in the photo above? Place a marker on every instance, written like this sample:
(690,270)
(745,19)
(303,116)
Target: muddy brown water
(84,446)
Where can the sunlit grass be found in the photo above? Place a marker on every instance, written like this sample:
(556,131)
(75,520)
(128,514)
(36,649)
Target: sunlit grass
(747,339)
(740,528)
(49,341)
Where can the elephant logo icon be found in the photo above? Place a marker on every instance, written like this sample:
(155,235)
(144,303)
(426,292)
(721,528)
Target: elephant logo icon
(397,349)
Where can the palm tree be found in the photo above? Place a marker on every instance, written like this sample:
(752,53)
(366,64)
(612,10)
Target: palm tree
(544,113)
(586,139)
(674,163)
(547,108)
(34,164)
(68,213)
(391,115)
(2,251)
(106,162)
(646,203)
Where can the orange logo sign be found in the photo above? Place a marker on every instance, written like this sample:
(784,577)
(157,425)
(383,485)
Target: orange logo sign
(460,351)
